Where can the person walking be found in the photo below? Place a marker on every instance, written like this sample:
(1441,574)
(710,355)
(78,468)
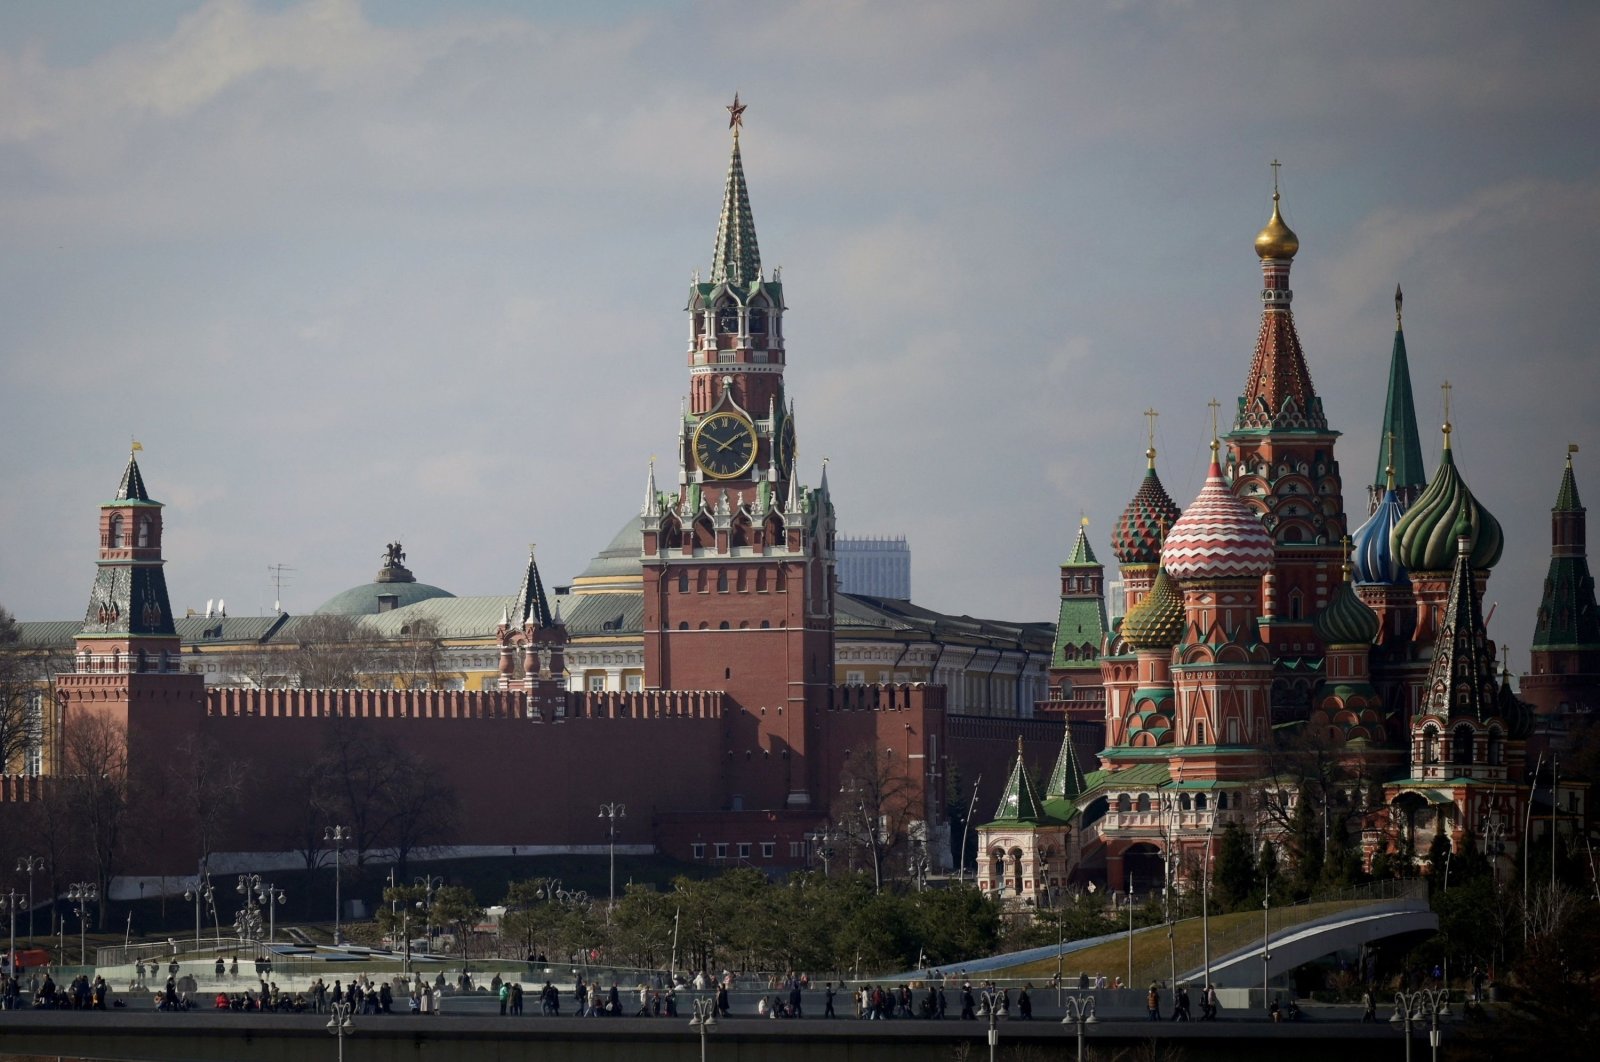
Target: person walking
(1152,1002)
(1180,1005)
(1369,1005)
(827,998)
(968,1004)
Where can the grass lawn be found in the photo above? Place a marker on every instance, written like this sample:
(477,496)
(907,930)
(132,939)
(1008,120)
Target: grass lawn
(1151,957)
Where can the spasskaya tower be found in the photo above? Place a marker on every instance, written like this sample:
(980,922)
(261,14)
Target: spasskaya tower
(738,560)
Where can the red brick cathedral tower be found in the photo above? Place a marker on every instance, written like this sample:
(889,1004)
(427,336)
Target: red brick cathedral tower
(1280,462)
(738,561)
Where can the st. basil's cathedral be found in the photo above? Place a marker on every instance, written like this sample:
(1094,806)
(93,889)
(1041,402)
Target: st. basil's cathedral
(1257,629)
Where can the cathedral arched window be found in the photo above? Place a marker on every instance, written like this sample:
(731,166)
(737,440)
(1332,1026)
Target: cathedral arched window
(683,581)
(1497,748)
(1200,802)
(758,321)
(1222,801)
(144,531)
(1124,802)
(1144,802)
(722,580)
(1461,745)
(727,317)
(1430,745)
(722,626)
(1297,601)
(684,625)
(118,538)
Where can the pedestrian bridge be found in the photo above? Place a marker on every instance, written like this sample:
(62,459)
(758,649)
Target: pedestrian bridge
(1297,945)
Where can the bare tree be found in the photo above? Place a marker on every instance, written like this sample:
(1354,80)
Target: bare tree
(874,807)
(415,660)
(97,791)
(207,788)
(426,809)
(26,687)
(334,652)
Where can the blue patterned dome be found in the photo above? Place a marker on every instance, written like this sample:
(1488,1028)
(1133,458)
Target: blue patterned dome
(1372,555)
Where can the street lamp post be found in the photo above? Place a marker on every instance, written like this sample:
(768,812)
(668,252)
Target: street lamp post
(82,894)
(1205,908)
(340,1025)
(966,825)
(1266,952)
(266,894)
(10,901)
(29,864)
(705,1019)
(1129,982)
(1433,1002)
(1080,1011)
(611,813)
(338,835)
(990,1000)
(429,886)
(200,891)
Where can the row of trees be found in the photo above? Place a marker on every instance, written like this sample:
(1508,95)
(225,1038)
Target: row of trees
(743,920)
(332,652)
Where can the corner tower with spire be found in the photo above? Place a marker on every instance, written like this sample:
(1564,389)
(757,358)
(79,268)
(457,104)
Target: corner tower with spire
(738,561)
(1280,462)
(128,667)
(1564,674)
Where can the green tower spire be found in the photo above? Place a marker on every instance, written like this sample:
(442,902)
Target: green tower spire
(736,259)
(1402,446)
(1020,802)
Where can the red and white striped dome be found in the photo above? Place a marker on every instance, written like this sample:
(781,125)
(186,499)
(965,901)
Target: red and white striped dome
(1217,537)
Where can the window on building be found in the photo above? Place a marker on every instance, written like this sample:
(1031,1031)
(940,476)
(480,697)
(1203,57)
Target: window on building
(117,540)
(722,850)
(767,849)
(722,581)
(797,849)
(1461,745)
(698,851)
(144,531)
(597,683)
(1124,802)
(855,678)
(1144,802)
(1430,745)
(683,581)
(633,683)
(744,850)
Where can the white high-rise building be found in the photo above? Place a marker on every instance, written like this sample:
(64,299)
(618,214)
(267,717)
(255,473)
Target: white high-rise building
(874,566)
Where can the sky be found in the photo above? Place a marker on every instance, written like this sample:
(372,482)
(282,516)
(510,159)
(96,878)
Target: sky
(354,272)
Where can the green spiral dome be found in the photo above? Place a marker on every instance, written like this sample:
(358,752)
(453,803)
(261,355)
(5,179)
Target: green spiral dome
(1157,621)
(1425,537)
(1347,620)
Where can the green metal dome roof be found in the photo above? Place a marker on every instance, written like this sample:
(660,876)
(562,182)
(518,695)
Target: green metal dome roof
(393,587)
(1347,620)
(1425,538)
(363,600)
(621,557)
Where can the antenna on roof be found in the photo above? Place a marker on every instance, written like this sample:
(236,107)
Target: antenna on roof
(278,580)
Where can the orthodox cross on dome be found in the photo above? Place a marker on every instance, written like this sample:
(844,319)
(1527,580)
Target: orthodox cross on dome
(1388,466)
(1275,166)
(1446,388)
(1150,416)
(736,114)
(1214,406)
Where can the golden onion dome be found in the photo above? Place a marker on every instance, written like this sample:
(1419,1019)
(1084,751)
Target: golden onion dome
(1277,240)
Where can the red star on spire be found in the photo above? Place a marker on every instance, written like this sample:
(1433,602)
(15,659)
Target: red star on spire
(736,112)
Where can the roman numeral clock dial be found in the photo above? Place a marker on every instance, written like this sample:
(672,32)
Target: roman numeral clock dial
(725,445)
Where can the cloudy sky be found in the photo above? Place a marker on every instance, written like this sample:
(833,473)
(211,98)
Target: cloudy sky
(352,272)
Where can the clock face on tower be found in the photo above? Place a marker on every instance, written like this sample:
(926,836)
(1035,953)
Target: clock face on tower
(786,446)
(725,445)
